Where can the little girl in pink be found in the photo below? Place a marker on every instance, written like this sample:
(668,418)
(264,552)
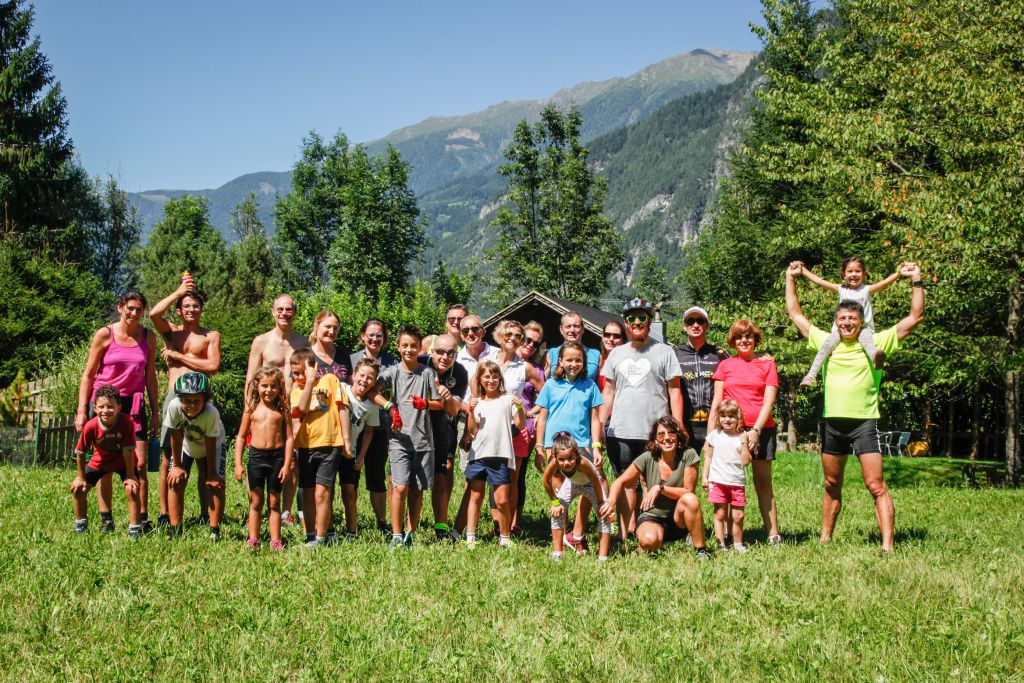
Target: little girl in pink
(727,453)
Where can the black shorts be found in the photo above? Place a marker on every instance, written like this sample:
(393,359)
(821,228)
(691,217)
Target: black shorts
(375,463)
(622,452)
(672,531)
(92,476)
(218,461)
(767,442)
(698,432)
(264,469)
(141,419)
(846,434)
(318,466)
(441,462)
(348,475)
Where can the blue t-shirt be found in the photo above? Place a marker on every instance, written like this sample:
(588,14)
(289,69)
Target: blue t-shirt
(593,362)
(569,405)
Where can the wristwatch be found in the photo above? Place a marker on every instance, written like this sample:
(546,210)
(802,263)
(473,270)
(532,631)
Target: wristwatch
(917,283)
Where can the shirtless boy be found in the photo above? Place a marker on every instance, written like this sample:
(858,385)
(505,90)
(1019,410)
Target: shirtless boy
(275,348)
(187,347)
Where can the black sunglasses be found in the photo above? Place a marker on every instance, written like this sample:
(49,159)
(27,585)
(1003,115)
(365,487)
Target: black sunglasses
(695,321)
(471,330)
(446,352)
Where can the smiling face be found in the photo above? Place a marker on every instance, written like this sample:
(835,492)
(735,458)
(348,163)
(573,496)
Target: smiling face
(696,327)
(373,339)
(572,361)
(267,389)
(528,347)
(849,323)
(571,327)
(730,423)
(613,335)
(568,460)
(854,274)
(299,374)
(490,380)
(408,349)
(444,352)
(472,331)
(454,319)
(327,330)
(284,311)
(131,311)
(107,409)
(745,343)
(666,439)
(512,338)
(638,324)
(191,309)
(364,379)
(192,404)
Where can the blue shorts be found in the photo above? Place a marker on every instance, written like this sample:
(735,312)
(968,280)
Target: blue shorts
(494,470)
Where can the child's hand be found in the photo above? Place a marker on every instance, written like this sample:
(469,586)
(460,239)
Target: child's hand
(704,483)
(131,486)
(795,268)
(79,485)
(346,451)
(418,402)
(557,510)
(473,401)
(239,472)
(598,460)
(176,475)
(358,464)
(214,482)
(607,509)
(286,471)
(310,369)
(396,419)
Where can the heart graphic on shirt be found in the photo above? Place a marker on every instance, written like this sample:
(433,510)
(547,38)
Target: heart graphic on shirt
(635,370)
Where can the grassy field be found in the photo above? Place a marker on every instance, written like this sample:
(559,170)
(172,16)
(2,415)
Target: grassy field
(946,606)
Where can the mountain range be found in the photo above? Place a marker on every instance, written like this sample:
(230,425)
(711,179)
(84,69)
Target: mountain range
(655,135)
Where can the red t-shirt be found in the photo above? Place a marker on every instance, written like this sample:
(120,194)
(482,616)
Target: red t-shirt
(108,444)
(745,382)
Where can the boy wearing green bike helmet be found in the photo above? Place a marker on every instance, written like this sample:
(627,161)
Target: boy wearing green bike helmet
(197,435)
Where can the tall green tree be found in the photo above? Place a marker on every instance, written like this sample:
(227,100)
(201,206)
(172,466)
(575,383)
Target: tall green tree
(114,230)
(252,262)
(42,189)
(450,286)
(552,234)
(351,220)
(184,240)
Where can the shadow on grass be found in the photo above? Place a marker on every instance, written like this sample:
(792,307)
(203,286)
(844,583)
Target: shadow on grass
(902,535)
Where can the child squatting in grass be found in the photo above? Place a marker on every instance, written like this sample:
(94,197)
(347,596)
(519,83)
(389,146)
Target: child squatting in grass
(267,429)
(579,478)
(111,435)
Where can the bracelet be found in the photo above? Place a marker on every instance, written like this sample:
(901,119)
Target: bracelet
(389,405)
(555,503)
(917,283)
(597,444)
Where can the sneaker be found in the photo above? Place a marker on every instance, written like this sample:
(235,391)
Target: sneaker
(407,539)
(332,537)
(134,532)
(739,547)
(214,534)
(350,536)
(471,544)
(314,543)
(81,526)
(384,528)
(163,521)
(517,532)
(728,540)
(775,539)
(556,556)
(602,558)
(286,519)
(583,542)
(575,543)
(396,543)
(703,554)
(453,536)
(277,546)
(505,542)
(723,547)
(253,543)
(108,526)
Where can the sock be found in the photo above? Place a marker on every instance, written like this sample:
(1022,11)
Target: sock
(320,539)
(470,538)
(134,528)
(440,526)
(556,553)
(504,540)
(143,517)
(107,516)
(310,535)
(397,538)
(215,530)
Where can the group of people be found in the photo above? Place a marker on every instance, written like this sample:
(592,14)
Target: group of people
(317,416)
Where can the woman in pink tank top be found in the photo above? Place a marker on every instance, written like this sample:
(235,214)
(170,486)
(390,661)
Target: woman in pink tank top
(122,355)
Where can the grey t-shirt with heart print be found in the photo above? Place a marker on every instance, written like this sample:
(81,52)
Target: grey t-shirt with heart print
(641,392)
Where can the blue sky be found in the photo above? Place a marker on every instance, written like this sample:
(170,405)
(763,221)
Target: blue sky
(189,95)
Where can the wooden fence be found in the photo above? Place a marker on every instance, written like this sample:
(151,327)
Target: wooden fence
(55,439)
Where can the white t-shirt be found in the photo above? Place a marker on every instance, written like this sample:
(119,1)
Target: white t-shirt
(494,434)
(206,423)
(861,296)
(726,459)
(361,413)
(641,394)
(467,361)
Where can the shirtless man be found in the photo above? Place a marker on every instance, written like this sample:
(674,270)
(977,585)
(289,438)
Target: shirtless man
(275,348)
(187,347)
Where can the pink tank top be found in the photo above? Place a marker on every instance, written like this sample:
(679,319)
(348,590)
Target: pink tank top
(123,367)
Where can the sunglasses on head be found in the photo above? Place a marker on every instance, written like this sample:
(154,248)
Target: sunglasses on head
(695,321)
(634,319)
(475,329)
(446,352)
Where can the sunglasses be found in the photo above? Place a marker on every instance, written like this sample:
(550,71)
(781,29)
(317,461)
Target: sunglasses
(667,436)
(374,335)
(446,352)
(746,335)
(529,341)
(475,329)
(634,319)
(455,321)
(513,335)
(611,335)
(695,321)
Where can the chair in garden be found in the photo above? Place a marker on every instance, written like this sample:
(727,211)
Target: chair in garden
(894,442)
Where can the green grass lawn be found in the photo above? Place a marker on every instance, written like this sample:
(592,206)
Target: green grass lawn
(946,606)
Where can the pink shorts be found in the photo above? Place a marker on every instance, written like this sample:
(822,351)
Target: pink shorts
(726,493)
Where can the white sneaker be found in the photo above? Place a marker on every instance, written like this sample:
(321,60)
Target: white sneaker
(739,547)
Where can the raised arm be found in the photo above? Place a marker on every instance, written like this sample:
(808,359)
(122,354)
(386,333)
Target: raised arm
(916,314)
(884,284)
(156,314)
(796,314)
(820,281)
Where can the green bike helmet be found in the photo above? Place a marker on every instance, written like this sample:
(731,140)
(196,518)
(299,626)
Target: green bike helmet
(193,383)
